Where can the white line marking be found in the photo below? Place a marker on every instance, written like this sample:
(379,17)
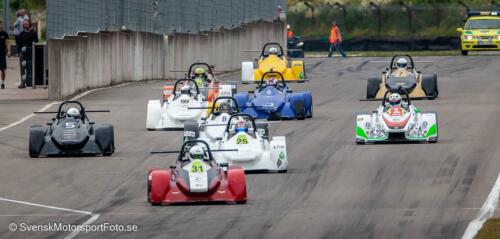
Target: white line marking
(27,117)
(91,220)
(485,212)
(45,206)
(41,215)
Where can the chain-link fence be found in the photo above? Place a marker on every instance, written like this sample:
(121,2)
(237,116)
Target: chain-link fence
(68,17)
(376,20)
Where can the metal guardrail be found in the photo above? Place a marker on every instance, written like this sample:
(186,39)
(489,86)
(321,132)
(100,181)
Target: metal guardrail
(68,17)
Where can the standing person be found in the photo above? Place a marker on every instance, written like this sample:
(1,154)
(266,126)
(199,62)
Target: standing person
(335,40)
(289,33)
(4,51)
(27,37)
(18,28)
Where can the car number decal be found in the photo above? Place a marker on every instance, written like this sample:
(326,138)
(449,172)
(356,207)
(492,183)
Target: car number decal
(198,180)
(242,139)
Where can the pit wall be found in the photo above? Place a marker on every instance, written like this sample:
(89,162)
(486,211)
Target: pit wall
(92,60)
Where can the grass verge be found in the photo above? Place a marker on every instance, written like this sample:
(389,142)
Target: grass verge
(490,229)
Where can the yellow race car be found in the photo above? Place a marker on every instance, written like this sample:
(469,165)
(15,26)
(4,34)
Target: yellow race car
(273,58)
(481,32)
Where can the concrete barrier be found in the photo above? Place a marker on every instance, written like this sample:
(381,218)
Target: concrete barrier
(92,60)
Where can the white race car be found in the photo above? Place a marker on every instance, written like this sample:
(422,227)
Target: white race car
(211,128)
(255,151)
(172,113)
(396,122)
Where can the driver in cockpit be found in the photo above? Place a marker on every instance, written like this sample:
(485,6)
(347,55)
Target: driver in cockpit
(200,77)
(272,51)
(395,102)
(74,113)
(401,68)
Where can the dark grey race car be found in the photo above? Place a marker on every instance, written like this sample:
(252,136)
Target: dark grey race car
(71,134)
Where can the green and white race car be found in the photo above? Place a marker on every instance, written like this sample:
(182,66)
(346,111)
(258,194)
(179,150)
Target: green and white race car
(396,120)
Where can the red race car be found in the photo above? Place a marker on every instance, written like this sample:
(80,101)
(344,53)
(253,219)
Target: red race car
(196,177)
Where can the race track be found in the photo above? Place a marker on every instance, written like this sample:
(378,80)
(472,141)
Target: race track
(333,189)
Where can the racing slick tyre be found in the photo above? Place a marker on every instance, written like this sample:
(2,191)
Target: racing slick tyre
(465,53)
(300,109)
(105,138)
(429,85)
(310,115)
(372,87)
(191,130)
(36,140)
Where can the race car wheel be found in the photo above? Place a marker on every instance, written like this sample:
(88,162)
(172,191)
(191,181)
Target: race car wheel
(300,109)
(36,140)
(465,53)
(310,115)
(429,85)
(372,87)
(105,138)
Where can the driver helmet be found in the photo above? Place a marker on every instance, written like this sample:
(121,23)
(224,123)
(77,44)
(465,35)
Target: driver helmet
(241,126)
(273,51)
(395,99)
(196,152)
(200,73)
(272,81)
(402,63)
(186,90)
(73,112)
(224,107)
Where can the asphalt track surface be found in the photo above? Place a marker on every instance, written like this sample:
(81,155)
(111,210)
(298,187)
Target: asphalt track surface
(333,189)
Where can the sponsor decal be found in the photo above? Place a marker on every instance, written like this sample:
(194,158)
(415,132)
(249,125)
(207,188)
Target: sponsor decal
(189,134)
(281,156)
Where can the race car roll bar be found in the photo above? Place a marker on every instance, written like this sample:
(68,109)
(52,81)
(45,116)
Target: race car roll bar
(263,53)
(186,79)
(242,115)
(398,90)
(210,69)
(225,98)
(261,82)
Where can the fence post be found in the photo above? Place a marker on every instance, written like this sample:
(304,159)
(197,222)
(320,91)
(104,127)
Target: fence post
(378,12)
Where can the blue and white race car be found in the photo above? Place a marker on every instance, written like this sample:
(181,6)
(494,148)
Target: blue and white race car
(273,100)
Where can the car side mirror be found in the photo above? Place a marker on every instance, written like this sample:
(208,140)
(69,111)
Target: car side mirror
(460,29)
